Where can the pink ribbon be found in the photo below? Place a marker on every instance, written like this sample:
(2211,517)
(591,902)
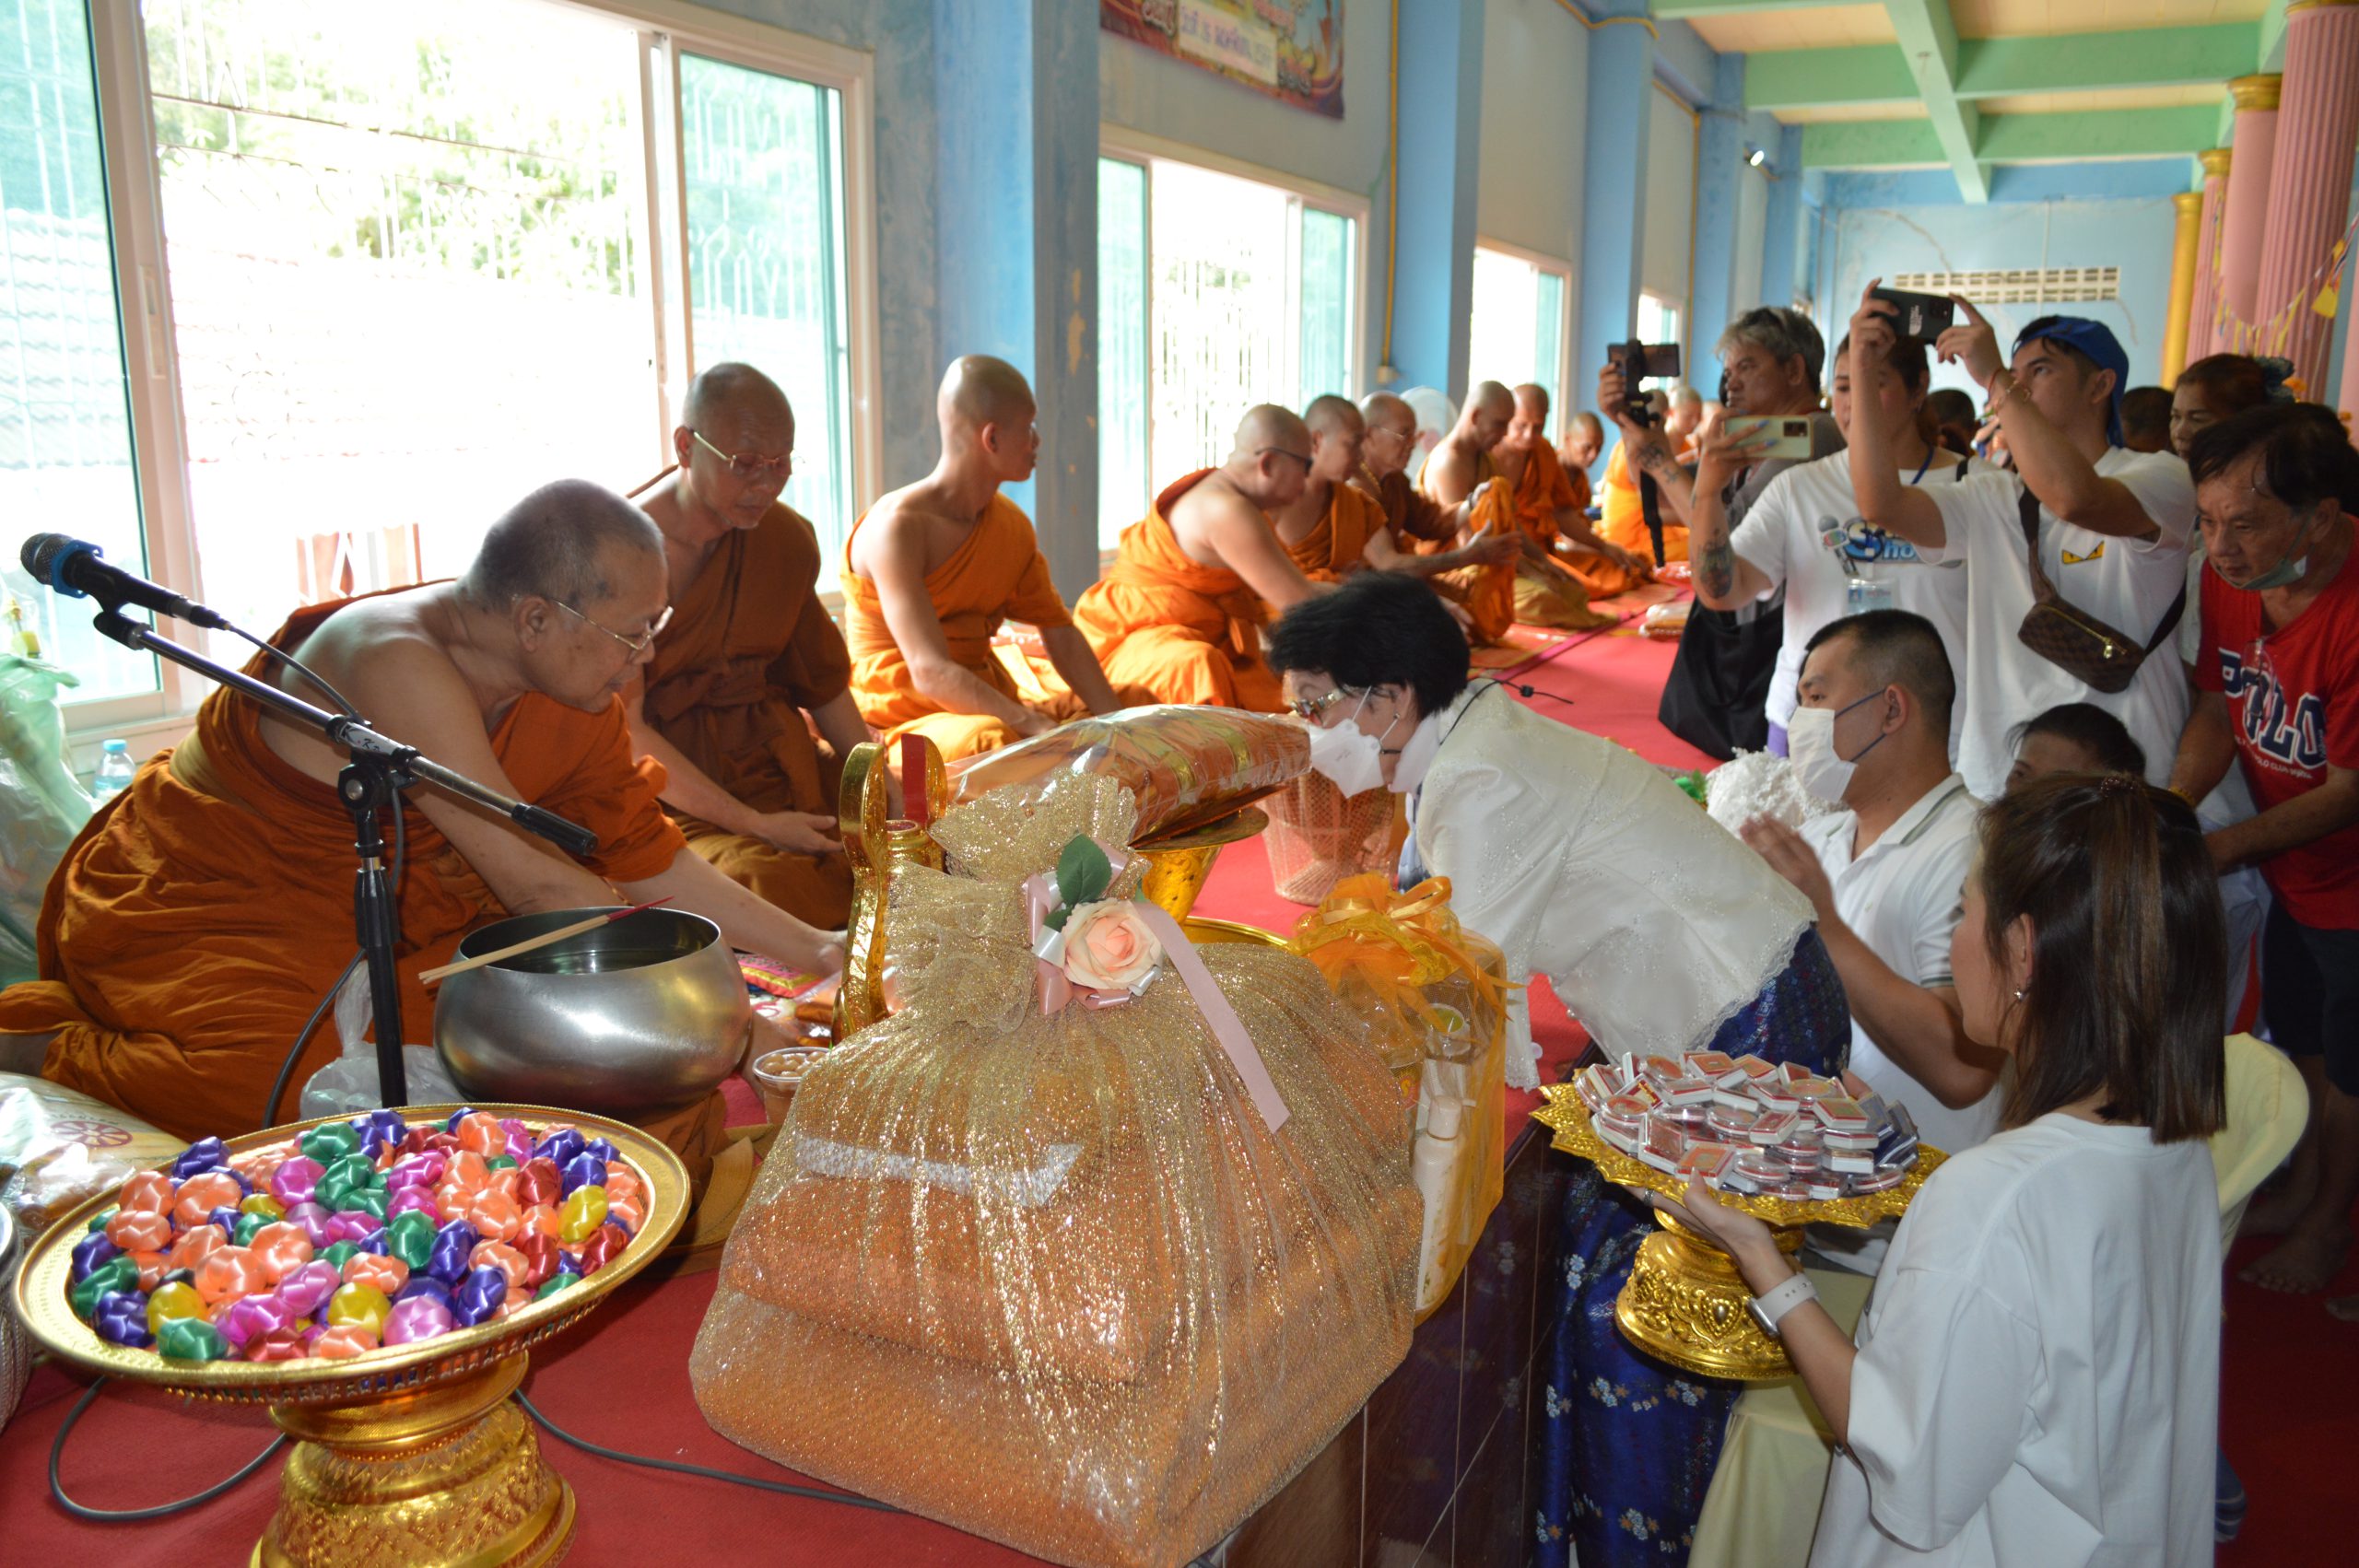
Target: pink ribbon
(1056,989)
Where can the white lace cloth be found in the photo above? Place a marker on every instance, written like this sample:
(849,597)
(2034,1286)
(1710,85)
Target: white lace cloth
(1588,865)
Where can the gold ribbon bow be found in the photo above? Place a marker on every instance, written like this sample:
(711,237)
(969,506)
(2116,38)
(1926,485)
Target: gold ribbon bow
(1398,943)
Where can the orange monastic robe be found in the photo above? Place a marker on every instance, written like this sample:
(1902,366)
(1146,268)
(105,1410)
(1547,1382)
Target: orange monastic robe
(199,916)
(749,648)
(1337,543)
(1169,630)
(996,575)
(1540,491)
(1625,522)
(1486,592)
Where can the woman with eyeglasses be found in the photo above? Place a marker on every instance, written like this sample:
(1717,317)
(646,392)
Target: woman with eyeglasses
(2037,1378)
(1662,931)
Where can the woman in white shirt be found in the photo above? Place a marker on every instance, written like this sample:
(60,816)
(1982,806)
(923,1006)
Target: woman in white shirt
(1662,931)
(2037,1378)
(1805,534)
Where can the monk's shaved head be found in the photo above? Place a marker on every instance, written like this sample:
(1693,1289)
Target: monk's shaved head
(1586,424)
(1531,400)
(1329,415)
(1489,409)
(562,542)
(1492,398)
(978,389)
(731,392)
(1389,411)
(1267,425)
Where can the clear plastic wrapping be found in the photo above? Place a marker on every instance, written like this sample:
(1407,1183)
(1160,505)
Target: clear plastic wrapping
(1317,835)
(1434,997)
(1052,1277)
(1182,767)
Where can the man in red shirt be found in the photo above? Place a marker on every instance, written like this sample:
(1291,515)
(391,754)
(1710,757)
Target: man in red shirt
(2277,679)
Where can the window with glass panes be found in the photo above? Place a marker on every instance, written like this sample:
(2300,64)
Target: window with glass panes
(1517,330)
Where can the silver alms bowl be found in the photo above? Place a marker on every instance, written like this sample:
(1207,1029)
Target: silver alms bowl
(643,1014)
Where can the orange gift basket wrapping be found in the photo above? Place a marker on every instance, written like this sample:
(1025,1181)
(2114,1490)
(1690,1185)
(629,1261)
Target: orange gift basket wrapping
(1317,835)
(1183,767)
(1434,999)
(1052,1274)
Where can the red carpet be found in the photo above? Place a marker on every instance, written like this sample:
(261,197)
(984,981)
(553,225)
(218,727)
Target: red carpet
(2289,1417)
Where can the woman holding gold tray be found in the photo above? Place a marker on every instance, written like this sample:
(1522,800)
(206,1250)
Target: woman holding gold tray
(2036,1379)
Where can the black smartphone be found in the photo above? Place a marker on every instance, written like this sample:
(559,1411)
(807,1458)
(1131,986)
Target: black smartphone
(1921,316)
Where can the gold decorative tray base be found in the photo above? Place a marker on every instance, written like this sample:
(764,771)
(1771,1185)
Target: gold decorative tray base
(1685,1302)
(408,1455)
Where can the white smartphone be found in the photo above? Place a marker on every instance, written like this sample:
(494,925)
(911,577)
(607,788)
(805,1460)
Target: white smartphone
(1789,434)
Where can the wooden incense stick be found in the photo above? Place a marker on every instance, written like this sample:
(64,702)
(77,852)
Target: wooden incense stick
(529,943)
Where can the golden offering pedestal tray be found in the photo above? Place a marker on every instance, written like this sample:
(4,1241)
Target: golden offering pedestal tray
(1177,864)
(1685,1302)
(408,1455)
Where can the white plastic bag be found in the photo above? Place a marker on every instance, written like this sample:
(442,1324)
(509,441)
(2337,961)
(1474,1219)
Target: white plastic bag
(348,1085)
(41,807)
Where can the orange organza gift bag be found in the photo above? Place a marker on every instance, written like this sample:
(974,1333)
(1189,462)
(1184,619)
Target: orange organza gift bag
(1434,997)
(1094,1243)
(1184,766)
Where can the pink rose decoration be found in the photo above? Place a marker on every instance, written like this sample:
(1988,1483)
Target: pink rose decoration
(1108,947)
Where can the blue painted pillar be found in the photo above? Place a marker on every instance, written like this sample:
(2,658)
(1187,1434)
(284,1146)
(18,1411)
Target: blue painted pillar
(1781,235)
(1614,197)
(1719,169)
(1016,205)
(1440,147)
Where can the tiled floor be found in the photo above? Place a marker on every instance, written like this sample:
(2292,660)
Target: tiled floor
(1434,1472)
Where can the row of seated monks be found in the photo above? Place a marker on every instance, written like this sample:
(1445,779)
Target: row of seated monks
(662,669)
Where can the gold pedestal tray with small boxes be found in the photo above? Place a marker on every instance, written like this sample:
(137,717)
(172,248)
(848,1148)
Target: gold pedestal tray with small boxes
(1685,1302)
(407,1456)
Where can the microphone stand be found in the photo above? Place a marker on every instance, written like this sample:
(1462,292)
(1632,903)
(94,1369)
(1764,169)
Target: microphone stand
(379,769)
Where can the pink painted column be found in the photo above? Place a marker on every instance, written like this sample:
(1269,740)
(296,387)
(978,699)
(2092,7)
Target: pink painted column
(2200,325)
(2309,182)
(2244,219)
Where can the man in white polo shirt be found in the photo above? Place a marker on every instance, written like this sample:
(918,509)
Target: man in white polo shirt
(1886,874)
(2111,525)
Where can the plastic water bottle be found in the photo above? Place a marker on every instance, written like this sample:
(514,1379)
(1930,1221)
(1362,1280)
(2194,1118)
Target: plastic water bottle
(115,771)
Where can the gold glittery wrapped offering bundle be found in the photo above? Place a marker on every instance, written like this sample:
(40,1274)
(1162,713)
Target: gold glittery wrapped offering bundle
(1092,1244)
(1184,766)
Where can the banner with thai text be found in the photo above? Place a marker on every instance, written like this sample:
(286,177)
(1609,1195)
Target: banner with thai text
(1292,50)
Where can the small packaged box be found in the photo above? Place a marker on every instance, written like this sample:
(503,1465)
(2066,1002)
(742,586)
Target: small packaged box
(1625,1133)
(1839,1113)
(1794,1071)
(1632,1107)
(1848,1142)
(1823,1188)
(1659,1069)
(1876,1110)
(1845,1162)
(1687,1091)
(1706,1162)
(1671,1143)
(1811,1088)
(1731,1123)
(1880,1179)
(1737,1099)
(1642,1092)
(1712,1066)
(1755,1069)
(1694,1121)
(1596,1084)
(1778,1097)
(1771,1127)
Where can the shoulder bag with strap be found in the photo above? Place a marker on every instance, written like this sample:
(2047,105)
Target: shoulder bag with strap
(2073,640)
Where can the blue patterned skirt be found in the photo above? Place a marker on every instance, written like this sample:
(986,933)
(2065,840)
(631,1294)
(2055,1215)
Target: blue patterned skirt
(1626,1443)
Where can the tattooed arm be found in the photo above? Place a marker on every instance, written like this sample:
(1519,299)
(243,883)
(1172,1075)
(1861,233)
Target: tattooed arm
(1724,579)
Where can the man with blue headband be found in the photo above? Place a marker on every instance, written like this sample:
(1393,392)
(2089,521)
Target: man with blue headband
(2069,612)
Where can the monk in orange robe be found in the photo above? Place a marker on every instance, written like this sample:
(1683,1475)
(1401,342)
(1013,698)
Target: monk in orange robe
(1524,584)
(1552,517)
(933,571)
(1178,616)
(750,664)
(1335,528)
(1426,534)
(1579,445)
(199,916)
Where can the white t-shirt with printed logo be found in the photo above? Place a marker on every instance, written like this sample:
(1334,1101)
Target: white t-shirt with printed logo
(1805,533)
(2127,583)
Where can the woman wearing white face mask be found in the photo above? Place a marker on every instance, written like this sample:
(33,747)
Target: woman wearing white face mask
(1660,932)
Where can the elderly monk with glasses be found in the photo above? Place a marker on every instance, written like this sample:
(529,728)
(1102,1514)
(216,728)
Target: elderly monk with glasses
(1178,616)
(750,674)
(197,921)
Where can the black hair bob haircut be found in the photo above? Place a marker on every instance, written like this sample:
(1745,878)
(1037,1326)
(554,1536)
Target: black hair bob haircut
(1376,629)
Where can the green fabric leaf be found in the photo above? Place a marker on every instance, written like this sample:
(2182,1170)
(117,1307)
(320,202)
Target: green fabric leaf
(1083,873)
(1055,918)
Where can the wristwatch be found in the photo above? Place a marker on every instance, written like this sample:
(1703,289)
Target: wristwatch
(1779,1300)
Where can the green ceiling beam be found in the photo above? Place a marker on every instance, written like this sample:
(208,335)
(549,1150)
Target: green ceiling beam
(2096,134)
(1928,39)
(1873,144)
(2011,138)
(1808,79)
(1996,67)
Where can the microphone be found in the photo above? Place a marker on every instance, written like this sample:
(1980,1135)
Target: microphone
(74,567)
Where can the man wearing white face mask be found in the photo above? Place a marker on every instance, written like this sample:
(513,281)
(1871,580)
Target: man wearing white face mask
(1885,876)
(1661,932)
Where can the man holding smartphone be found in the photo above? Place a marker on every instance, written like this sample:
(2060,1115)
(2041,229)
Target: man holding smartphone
(2111,528)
